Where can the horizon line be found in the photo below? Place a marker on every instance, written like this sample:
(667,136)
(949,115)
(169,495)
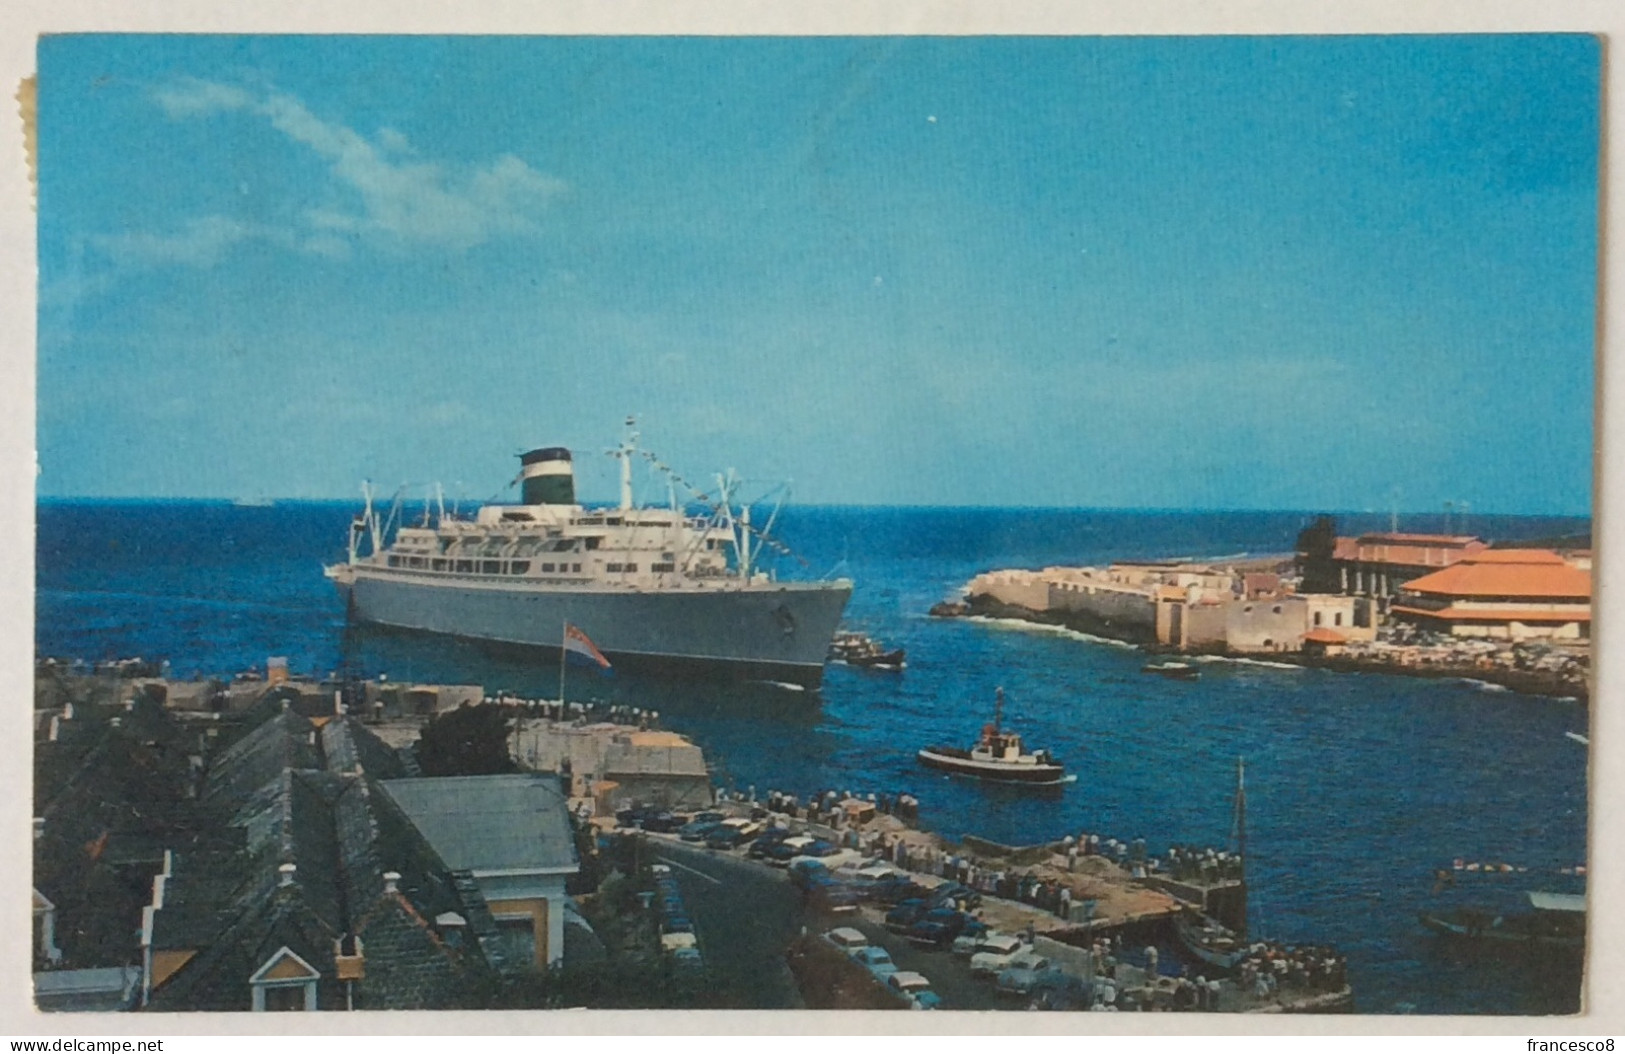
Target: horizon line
(48,499)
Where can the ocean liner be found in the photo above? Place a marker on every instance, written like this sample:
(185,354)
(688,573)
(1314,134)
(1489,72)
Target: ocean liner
(649,585)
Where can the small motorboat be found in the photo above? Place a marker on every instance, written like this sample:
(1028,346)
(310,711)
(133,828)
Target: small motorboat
(997,756)
(1178,671)
(859,649)
(1210,942)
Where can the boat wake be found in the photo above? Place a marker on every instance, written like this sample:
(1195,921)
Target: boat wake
(1242,661)
(1484,686)
(1047,628)
(788,686)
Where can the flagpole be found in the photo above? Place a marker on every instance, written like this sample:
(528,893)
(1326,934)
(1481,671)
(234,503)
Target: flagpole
(563,639)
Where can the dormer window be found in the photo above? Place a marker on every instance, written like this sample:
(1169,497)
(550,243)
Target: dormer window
(285,982)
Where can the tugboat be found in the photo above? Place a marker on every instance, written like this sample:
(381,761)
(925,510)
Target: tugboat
(859,649)
(1178,671)
(997,757)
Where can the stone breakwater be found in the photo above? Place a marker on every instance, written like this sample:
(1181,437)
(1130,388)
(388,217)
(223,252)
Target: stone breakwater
(1561,674)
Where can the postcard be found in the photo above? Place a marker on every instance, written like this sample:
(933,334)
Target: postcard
(1071,524)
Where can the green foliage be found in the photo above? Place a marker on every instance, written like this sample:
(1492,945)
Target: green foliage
(1316,545)
(467,741)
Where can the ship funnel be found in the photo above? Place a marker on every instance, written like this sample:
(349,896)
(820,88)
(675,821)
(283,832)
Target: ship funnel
(548,478)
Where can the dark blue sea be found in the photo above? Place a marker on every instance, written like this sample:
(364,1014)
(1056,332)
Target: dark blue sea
(1359,786)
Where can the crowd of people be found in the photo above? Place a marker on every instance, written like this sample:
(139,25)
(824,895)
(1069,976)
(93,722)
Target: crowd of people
(1269,967)
(589,713)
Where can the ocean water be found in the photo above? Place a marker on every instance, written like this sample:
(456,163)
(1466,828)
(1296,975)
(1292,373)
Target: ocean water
(1359,786)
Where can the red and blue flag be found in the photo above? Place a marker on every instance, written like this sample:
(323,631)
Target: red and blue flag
(580,648)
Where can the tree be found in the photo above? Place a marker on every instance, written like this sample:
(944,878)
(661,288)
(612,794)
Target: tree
(1317,545)
(467,741)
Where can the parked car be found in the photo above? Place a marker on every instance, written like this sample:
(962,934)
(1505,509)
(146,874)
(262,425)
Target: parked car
(767,840)
(724,837)
(897,889)
(975,939)
(825,893)
(870,869)
(803,873)
(787,849)
(847,939)
(697,829)
(953,892)
(747,829)
(1028,973)
(996,953)
(905,914)
(915,988)
(938,927)
(875,959)
(664,822)
(633,816)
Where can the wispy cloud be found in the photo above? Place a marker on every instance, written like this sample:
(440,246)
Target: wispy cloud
(200,241)
(384,191)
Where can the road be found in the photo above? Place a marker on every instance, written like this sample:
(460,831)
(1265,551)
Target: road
(746,913)
(948,973)
(744,917)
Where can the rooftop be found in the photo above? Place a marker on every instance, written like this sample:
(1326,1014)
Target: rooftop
(1514,556)
(1401,538)
(1534,577)
(490,823)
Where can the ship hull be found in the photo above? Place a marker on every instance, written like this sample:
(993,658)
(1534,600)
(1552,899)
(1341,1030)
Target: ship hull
(779,631)
(958,762)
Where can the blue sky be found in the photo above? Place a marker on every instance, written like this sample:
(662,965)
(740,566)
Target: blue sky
(1336,273)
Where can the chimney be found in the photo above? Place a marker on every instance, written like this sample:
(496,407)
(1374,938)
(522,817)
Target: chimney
(349,958)
(285,875)
(56,727)
(67,711)
(451,926)
(392,881)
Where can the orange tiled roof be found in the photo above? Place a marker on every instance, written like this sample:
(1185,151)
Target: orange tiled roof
(1325,636)
(1495,578)
(1514,556)
(1509,614)
(1400,538)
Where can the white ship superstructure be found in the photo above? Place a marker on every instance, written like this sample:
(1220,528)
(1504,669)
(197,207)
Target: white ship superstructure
(643,582)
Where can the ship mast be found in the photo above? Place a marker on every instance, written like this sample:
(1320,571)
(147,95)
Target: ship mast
(1241,814)
(1241,837)
(625,451)
(998,708)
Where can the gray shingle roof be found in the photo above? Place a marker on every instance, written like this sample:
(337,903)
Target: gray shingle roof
(490,823)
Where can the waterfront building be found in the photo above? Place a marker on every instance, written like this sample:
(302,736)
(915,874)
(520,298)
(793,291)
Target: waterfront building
(1377,564)
(1190,617)
(1509,594)
(1285,622)
(612,766)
